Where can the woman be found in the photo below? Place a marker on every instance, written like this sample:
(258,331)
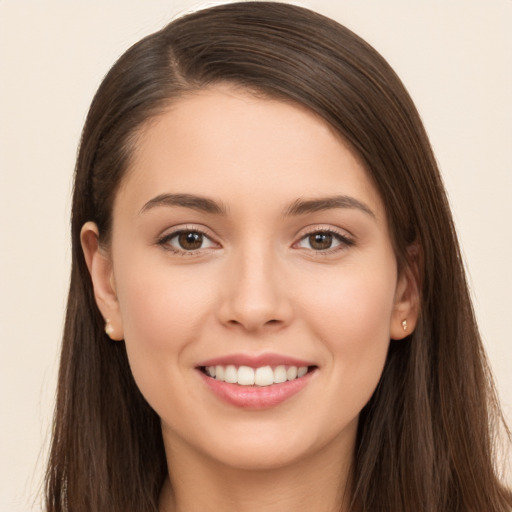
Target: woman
(268,307)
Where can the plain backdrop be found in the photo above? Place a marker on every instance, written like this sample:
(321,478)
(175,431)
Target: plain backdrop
(454,56)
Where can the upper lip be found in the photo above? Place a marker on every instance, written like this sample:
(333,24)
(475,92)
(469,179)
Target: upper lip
(255,361)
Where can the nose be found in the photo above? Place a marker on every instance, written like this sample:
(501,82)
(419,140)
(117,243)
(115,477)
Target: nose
(255,295)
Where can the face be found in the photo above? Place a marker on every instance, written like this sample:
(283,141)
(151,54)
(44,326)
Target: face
(252,275)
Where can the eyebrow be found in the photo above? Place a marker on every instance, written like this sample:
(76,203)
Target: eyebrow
(298,207)
(303,206)
(202,204)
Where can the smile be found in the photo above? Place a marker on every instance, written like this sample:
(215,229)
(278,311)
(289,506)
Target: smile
(256,382)
(261,376)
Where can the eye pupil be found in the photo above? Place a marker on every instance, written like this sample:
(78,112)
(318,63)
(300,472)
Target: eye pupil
(320,241)
(190,240)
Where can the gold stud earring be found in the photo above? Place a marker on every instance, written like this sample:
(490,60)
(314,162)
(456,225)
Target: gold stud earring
(404,325)
(109,330)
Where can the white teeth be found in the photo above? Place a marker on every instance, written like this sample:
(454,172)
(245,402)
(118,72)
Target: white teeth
(231,375)
(245,376)
(279,375)
(302,371)
(219,372)
(291,373)
(263,376)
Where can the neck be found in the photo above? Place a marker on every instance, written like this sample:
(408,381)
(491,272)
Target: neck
(319,482)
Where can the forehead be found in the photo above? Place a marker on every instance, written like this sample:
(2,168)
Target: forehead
(233,144)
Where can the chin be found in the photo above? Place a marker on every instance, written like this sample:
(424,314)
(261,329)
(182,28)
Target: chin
(273,446)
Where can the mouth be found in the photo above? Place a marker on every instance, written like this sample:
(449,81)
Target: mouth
(261,376)
(256,383)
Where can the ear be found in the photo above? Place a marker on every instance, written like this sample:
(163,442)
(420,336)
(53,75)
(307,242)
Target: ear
(100,268)
(407,299)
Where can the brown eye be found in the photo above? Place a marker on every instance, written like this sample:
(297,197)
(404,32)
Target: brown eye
(320,241)
(186,242)
(190,240)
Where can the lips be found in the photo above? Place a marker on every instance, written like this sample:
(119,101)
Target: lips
(256,382)
(256,361)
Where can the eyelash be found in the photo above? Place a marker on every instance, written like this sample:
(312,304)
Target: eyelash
(344,241)
(164,241)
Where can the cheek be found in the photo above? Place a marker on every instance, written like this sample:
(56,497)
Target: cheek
(359,302)
(163,313)
(353,322)
(159,300)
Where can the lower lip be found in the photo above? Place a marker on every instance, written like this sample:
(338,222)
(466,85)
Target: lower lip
(256,397)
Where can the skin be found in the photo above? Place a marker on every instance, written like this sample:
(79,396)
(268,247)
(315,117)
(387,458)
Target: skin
(257,284)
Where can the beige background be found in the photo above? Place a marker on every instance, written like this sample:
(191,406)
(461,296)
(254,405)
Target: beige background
(453,55)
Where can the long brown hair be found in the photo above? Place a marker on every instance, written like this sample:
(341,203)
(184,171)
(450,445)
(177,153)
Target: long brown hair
(426,438)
